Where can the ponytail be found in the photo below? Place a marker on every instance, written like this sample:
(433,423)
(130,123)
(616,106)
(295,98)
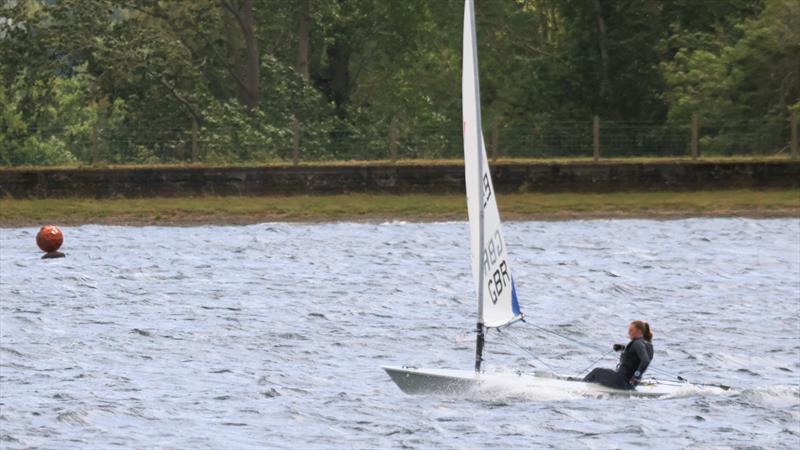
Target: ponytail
(644,328)
(648,335)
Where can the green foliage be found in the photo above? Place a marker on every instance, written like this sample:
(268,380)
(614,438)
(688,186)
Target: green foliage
(755,76)
(62,128)
(122,81)
(754,79)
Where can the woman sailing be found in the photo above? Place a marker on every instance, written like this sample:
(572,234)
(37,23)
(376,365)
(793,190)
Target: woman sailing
(633,361)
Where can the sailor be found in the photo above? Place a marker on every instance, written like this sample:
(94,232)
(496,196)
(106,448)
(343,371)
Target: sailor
(633,361)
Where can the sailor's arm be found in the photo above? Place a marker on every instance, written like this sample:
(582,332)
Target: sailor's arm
(644,359)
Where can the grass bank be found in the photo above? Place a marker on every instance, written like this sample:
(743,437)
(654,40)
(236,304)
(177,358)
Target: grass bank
(367,207)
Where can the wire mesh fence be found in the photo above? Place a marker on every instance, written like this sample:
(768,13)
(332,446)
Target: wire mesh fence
(390,141)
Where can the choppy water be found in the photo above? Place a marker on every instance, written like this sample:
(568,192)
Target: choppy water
(272,335)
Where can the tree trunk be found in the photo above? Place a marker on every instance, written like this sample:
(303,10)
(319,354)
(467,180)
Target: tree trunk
(339,57)
(605,86)
(250,68)
(302,69)
(302,40)
(252,62)
(544,26)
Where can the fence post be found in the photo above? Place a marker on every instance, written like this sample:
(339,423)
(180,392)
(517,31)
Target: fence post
(794,134)
(495,139)
(195,139)
(596,137)
(94,144)
(296,141)
(695,133)
(393,135)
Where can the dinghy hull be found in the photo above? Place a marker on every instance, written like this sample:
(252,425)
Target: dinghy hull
(460,382)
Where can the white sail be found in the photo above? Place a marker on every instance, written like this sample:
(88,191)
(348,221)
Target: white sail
(495,286)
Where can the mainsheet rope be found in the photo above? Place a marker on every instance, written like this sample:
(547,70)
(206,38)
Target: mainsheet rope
(599,349)
(532,355)
(585,344)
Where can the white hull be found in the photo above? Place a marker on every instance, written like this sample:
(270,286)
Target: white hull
(459,382)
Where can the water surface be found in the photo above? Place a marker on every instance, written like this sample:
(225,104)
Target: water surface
(273,335)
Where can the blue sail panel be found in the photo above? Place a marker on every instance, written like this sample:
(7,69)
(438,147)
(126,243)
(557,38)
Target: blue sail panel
(514,301)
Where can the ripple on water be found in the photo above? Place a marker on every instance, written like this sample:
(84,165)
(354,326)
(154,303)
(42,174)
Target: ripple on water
(273,334)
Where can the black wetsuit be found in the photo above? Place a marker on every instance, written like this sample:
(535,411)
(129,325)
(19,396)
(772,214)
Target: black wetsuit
(632,363)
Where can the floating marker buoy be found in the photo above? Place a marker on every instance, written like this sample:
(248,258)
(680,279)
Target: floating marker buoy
(49,239)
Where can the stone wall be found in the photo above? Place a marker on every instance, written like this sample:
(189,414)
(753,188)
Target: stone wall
(124,182)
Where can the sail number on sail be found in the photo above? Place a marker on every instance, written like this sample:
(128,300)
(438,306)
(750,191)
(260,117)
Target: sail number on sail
(487,189)
(493,259)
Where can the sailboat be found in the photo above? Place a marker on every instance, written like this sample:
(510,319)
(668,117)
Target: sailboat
(498,305)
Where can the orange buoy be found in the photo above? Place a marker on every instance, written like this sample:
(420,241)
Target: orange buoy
(49,238)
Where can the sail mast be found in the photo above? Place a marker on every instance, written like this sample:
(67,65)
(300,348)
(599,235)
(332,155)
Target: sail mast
(477,129)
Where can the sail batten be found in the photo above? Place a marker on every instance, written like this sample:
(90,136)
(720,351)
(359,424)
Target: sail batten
(494,285)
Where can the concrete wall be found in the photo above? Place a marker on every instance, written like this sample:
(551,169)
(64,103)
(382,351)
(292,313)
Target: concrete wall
(395,179)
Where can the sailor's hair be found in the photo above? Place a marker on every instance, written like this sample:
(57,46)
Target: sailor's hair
(644,328)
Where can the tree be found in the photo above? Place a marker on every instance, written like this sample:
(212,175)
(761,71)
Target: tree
(755,78)
(245,81)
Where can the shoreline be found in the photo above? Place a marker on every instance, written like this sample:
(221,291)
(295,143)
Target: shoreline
(244,221)
(378,208)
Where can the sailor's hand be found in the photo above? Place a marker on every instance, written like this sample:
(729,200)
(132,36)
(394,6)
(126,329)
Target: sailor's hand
(633,381)
(618,347)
